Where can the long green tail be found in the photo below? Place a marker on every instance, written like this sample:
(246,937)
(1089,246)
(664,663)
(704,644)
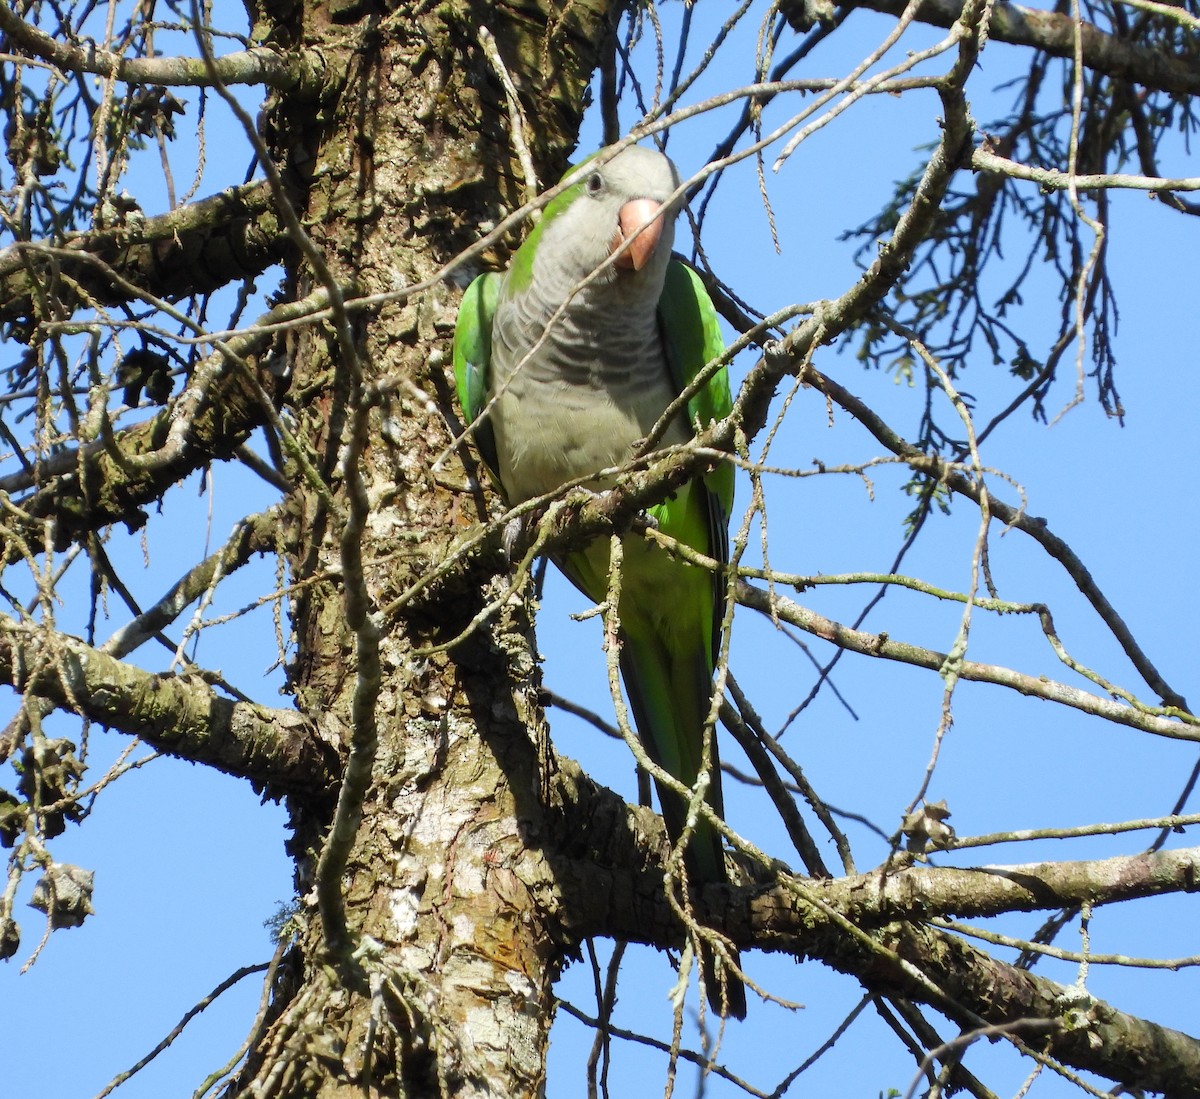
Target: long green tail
(669,691)
(667,630)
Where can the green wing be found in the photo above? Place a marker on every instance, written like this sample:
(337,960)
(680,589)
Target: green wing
(692,337)
(473,358)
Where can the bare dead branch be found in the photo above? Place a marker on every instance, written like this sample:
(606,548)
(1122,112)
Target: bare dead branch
(1037,528)
(1053,32)
(987,161)
(301,72)
(880,645)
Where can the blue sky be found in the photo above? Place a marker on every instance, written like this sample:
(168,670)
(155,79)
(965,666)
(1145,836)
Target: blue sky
(189,864)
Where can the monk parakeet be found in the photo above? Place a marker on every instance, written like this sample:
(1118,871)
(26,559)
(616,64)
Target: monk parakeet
(571,363)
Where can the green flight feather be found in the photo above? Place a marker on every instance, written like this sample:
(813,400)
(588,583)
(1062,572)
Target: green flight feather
(692,339)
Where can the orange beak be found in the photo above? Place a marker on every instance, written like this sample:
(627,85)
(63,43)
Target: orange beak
(638,224)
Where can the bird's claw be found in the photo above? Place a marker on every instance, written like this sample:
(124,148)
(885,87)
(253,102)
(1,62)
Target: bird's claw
(513,536)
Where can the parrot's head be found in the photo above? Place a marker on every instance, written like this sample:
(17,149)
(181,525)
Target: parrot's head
(620,206)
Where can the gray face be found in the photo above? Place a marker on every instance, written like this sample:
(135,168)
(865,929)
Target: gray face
(589,229)
(579,372)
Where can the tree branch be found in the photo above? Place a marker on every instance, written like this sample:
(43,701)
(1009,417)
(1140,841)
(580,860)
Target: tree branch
(985,160)
(780,917)
(1051,32)
(101,483)
(1092,1035)
(619,844)
(196,248)
(279,751)
(1035,686)
(1035,527)
(610,850)
(300,72)
(830,319)
(254,534)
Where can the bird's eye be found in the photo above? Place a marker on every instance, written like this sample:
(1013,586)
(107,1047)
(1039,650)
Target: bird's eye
(595,183)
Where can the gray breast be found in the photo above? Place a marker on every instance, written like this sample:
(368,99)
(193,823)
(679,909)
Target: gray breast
(581,399)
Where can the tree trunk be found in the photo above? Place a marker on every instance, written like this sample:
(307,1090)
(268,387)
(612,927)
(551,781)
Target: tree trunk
(439,981)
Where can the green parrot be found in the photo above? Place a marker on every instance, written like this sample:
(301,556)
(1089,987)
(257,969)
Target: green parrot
(564,365)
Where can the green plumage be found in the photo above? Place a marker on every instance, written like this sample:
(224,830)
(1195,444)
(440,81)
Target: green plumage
(563,366)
